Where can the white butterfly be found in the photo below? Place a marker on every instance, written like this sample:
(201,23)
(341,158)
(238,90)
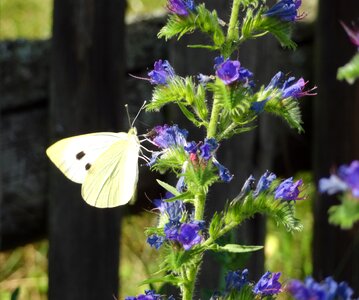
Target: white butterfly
(105,163)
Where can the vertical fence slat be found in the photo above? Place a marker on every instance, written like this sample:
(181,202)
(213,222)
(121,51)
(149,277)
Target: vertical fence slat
(336,131)
(86,85)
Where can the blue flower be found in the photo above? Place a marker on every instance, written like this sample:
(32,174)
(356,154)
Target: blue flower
(174,209)
(189,235)
(149,295)
(191,148)
(210,145)
(171,230)
(275,81)
(246,77)
(203,79)
(288,190)
(268,284)
(350,175)
(224,173)
(344,291)
(295,89)
(155,240)
(258,106)
(180,7)
(264,183)
(285,10)
(290,87)
(228,70)
(332,185)
(327,289)
(161,73)
(169,136)
(236,280)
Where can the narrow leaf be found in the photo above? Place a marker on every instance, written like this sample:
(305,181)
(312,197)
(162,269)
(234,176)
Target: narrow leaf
(168,187)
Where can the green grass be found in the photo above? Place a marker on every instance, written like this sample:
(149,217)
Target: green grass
(291,253)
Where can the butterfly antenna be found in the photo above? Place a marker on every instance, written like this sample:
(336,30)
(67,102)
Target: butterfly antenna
(128,115)
(139,111)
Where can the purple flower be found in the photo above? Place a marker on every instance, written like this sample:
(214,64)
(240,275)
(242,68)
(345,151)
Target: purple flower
(236,280)
(210,145)
(332,185)
(275,81)
(289,87)
(174,209)
(296,89)
(191,147)
(288,190)
(344,291)
(350,175)
(155,240)
(353,34)
(327,289)
(228,70)
(308,290)
(171,230)
(258,107)
(203,79)
(246,77)
(169,136)
(264,183)
(149,295)
(268,284)
(247,187)
(224,173)
(285,10)
(161,73)
(189,235)
(180,7)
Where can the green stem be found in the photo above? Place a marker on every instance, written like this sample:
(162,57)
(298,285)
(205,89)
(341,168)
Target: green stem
(199,206)
(232,33)
(212,127)
(227,130)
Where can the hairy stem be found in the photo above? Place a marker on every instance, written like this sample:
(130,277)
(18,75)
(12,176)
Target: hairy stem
(212,127)
(232,33)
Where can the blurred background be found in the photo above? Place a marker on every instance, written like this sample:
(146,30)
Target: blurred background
(64,68)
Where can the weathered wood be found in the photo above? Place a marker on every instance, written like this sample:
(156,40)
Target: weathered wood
(24,66)
(336,131)
(24,73)
(87,68)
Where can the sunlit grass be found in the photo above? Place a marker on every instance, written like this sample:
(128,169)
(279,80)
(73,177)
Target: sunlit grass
(290,253)
(25,267)
(138,260)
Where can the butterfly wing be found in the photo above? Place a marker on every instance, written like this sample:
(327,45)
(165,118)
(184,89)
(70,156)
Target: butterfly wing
(75,155)
(111,180)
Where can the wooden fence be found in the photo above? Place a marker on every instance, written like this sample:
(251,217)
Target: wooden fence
(36,202)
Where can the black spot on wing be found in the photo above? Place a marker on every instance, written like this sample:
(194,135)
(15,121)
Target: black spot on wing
(87,166)
(80,155)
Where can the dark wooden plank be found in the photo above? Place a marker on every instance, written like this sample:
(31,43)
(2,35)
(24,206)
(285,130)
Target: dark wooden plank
(336,131)
(24,176)
(87,68)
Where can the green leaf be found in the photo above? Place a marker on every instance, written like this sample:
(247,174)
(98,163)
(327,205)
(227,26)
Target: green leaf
(186,196)
(203,20)
(189,115)
(350,71)
(168,187)
(288,109)
(234,248)
(346,214)
(175,280)
(255,25)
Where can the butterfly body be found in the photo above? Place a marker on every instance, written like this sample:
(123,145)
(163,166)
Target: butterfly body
(105,163)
